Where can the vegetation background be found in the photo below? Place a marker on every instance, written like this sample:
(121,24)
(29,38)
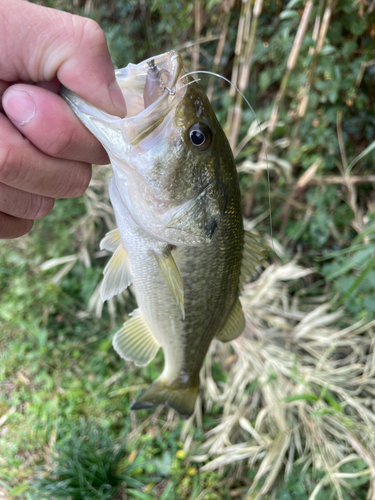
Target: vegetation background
(288,410)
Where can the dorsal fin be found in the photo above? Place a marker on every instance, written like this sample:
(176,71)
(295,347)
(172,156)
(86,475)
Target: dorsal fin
(234,324)
(253,256)
(172,277)
(135,341)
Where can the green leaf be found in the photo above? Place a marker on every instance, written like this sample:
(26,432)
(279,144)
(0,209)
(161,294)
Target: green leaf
(359,259)
(289,14)
(359,280)
(293,3)
(301,397)
(18,490)
(327,49)
(369,302)
(364,153)
(5,485)
(139,494)
(330,399)
(264,80)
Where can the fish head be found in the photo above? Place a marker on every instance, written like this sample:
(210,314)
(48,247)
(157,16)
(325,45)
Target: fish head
(169,155)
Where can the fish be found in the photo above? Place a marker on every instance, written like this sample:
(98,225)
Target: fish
(180,238)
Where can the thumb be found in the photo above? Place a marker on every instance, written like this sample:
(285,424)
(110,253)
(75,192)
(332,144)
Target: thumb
(57,44)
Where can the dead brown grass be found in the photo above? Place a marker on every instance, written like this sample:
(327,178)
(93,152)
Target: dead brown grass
(300,389)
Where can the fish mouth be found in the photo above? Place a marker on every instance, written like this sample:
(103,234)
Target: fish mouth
(151,89)
(145,86)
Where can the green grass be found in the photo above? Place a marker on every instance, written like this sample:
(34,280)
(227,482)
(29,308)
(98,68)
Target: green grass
(298,423)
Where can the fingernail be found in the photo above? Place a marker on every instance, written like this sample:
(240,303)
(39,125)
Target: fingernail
(19,106)
(117,98)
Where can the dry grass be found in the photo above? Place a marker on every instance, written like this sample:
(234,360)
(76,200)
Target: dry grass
(300,390)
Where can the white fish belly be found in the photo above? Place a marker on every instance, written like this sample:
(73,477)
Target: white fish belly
(153,297)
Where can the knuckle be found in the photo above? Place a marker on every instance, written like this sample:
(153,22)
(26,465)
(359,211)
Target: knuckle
(13,168)
(6,155)
(60,144)
(94,32)
(43,207)
(88,32)
(81,181)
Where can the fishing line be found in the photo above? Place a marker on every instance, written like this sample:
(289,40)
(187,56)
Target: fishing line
(189,83)
(259,126)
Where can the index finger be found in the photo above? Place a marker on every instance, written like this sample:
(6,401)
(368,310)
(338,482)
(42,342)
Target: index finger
(56,43)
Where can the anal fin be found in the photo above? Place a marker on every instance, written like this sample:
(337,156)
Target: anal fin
(135,341)
(234,324)
(172,277)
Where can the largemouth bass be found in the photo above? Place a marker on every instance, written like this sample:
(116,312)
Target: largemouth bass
(180,237)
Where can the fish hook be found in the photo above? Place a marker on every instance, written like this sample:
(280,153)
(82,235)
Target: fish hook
(171,91)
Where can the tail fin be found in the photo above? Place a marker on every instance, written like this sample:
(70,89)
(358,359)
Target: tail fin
(182,399)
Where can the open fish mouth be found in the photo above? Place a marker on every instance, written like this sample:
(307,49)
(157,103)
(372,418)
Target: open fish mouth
(148,85)
(151,90)
(158,176)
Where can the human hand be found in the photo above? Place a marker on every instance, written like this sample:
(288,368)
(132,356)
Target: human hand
(45,151)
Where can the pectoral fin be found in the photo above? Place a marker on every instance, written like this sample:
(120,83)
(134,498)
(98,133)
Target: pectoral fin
(116,273)
(234,324)
(135,341)
(111,241)
(172,277)
(252,257)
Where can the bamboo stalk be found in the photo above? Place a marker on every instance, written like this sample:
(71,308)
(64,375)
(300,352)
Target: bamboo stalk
(305,178)
(244,73)
(318,37)
(319,34)
(89,4)
(197,30)
(227,7)
(316,28)
(337,179)
(244,20)
(304,91)
(302,28)
(344,168)
(347,180)
(325,25)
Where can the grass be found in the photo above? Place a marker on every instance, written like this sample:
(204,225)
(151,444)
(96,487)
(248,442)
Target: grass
(300,391)
(287,410)
(292,394)
(89,465)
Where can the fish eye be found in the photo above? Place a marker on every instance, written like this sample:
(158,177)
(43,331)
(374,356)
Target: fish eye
(200,136)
